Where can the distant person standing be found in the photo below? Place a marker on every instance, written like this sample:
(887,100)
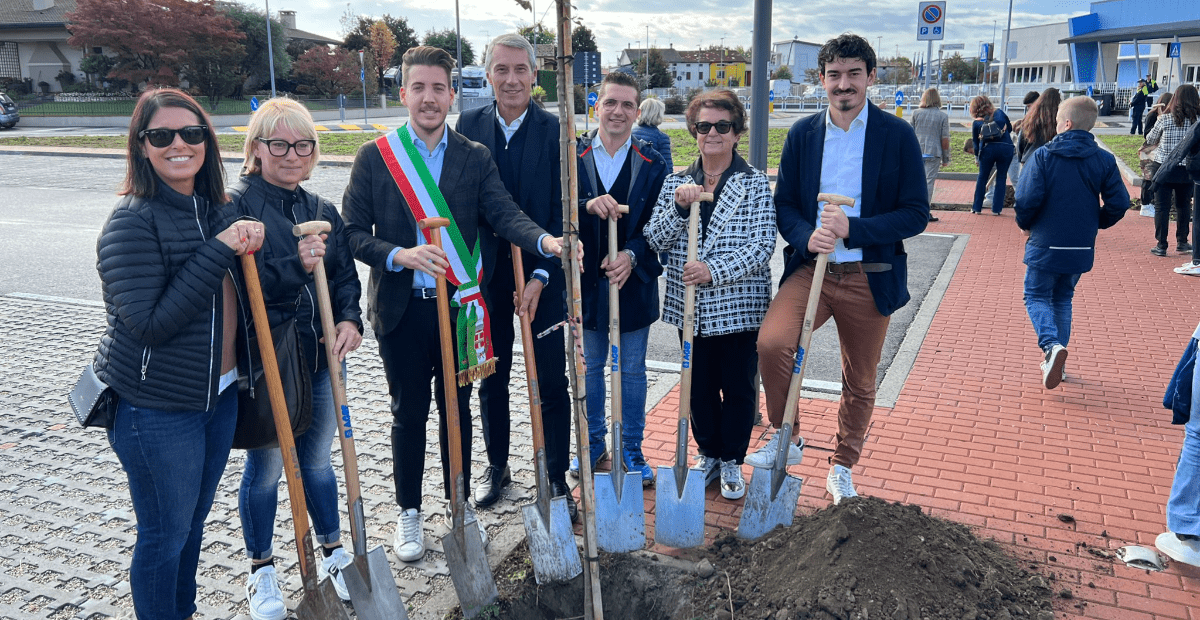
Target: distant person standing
(1059,203)
(991,133)
(647,130)
(932,126)
(1137,107)
(1173,182)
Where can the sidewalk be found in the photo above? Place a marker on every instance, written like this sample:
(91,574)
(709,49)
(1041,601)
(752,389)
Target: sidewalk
(975,438)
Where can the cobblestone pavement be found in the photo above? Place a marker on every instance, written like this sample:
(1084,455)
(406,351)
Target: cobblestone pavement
(66,524)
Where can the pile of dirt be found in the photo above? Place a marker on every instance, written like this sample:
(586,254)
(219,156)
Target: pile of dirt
(868,559)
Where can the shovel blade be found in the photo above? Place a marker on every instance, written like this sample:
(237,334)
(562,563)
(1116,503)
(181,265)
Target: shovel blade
(679,513)
(321,603)
(760,513)
(551,542)
(620,525)
(469,568)
(373,589)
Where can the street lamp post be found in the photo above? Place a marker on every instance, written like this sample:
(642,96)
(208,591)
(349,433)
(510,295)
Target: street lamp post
(362,76)
(1004,67)
(270,51)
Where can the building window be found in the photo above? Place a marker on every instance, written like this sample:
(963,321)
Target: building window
(10,64)
(1191,74)
(1053,69)
(689,76)
(1066,76)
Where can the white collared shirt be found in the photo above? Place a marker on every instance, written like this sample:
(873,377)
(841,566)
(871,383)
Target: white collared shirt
(841,173)
(433,160)
(509,130)
(608,167)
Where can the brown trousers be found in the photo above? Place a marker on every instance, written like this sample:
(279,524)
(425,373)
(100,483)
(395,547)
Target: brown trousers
(861,330)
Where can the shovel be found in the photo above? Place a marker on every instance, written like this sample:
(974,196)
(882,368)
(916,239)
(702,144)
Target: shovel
(547,520)
(620,506)
(369,579)
(320,600)
(463,546)
(679,500)
(772,494)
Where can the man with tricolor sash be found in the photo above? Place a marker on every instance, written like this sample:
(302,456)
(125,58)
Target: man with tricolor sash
(425,169)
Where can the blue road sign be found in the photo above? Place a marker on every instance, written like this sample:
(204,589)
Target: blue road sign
(924,30)
(362,75)
(1173,50)
(1089,91)
(899,98)
(932,13)
(254,104)
(771,95)
(593,97)
(937,30)
(949,77)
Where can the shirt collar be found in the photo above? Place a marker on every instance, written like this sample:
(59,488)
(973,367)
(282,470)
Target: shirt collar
(516,122)
(597,143)
(440,145)
(859,121)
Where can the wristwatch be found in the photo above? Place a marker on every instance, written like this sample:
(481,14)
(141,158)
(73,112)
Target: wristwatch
(540,278)
(632,257)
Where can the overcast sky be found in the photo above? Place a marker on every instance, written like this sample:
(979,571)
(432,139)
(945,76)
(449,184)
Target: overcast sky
(888,24)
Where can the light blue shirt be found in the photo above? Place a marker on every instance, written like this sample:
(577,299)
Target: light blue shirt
(608,166)
(509,130)
(433,160)
(841,173)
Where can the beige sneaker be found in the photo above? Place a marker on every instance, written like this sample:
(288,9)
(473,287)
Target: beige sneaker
(839,484)
(409,543)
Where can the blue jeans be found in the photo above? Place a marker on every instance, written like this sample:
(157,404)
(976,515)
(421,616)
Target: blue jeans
(1000,156)
(1048,301)
(259,494)
(1183,506)
(633,383)
(174,460)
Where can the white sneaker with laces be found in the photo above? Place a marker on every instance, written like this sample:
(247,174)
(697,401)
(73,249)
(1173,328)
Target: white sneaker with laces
(710,466)
(409,543)
(264,596)
(1052,366)
(1188,269)
(482,530)
(765,457)
(733,486)
(839,484)
(332,567)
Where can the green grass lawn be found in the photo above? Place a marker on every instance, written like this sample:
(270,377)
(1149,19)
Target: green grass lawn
(1125,147)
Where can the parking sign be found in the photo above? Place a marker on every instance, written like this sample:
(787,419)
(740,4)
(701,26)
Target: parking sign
(931,21)
(1173,50)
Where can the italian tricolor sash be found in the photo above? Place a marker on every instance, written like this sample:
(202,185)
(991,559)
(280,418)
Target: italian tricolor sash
(420,191)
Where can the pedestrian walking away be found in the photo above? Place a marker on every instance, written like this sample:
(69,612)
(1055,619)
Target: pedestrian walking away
(171,346)
(1181,541)
(867,272)
(932,127)
(1071,189)
(282,148)
(991,135)
(1173,182)
(523,141)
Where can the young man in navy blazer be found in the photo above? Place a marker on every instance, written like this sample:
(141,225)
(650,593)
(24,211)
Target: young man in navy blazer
(523,141)
(858,151)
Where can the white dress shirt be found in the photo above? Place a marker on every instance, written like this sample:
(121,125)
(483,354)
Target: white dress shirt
(841,173)
(608,166)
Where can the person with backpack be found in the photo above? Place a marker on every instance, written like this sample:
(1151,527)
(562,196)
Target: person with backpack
(991,135)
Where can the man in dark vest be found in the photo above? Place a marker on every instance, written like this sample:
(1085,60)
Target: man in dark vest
(523,140)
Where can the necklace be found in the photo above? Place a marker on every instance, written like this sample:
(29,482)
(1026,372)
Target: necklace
(713,177)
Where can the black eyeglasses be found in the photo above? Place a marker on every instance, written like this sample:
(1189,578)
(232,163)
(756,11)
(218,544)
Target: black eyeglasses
(279,148)
(162,137)
(723,127)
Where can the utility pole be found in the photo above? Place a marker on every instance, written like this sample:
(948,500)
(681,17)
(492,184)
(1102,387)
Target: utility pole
(270,51)
(761,46)
(1004,68)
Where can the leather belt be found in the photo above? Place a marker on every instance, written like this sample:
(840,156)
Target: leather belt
(857,267)
(424,293)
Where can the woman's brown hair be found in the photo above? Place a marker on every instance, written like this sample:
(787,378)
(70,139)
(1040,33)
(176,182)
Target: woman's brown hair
(719,100)
(140,178)
(981,106)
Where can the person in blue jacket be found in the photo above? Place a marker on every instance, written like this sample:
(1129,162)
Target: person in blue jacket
(1059,203)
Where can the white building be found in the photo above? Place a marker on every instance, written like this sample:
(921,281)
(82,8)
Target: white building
(798,56)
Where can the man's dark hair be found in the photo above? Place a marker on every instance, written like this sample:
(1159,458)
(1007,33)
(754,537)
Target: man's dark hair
(1030,97)
(427,56)
(140,178)
(846,47)
(620,78)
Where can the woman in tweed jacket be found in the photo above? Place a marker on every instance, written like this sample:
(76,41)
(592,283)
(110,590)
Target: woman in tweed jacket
(732,275)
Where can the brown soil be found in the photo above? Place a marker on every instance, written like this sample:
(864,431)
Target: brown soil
(866,559)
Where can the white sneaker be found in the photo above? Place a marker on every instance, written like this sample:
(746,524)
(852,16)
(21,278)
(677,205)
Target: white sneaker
(409,543)
(1186,551)
(264,596)
(839,484)
(482,530)
(765,457)
(1052,366)
(1188,269)
(711,468)
(733,486)
(332,567)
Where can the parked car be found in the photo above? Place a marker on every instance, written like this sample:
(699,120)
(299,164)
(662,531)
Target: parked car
(8,112)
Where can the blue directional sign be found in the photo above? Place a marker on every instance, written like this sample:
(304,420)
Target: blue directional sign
(593,97)
(362,75)
(1173,50)
(899,98)
(1089,91)
(771,95)
(949,77)
(254,104)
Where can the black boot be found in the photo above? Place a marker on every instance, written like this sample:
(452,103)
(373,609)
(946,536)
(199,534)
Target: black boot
(560,488)
(494,479)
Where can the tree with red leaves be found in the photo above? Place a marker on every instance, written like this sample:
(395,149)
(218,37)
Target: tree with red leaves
(326,74)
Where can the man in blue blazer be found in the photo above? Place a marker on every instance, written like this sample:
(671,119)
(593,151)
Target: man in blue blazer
(523,140)
(873,157)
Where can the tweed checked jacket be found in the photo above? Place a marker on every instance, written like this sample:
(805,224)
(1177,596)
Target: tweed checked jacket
(736,246)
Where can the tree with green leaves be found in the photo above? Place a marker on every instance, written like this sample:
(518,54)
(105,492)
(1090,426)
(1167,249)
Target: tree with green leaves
(253,24)
(964,70)
(447,39)
(356,34)
(660,77)
(784,72)
(583,40)
(543,36)
(812,75)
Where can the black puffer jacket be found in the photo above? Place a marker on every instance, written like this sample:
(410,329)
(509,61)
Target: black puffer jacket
(288,290)
(161,269)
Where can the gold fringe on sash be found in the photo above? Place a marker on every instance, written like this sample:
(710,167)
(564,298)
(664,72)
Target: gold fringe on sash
(477,372)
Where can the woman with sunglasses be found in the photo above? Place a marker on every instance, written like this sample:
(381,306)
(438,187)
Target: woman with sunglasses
(281,151)
(732,275)
(166,258)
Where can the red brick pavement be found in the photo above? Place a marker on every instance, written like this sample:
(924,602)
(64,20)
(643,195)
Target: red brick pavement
(975,438)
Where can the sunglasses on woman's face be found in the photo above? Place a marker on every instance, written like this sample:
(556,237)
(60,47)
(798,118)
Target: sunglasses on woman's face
(162,138)
(280,148)
(723,127)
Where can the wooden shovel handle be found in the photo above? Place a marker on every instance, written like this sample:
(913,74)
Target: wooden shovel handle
(531,378)
(449,376)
